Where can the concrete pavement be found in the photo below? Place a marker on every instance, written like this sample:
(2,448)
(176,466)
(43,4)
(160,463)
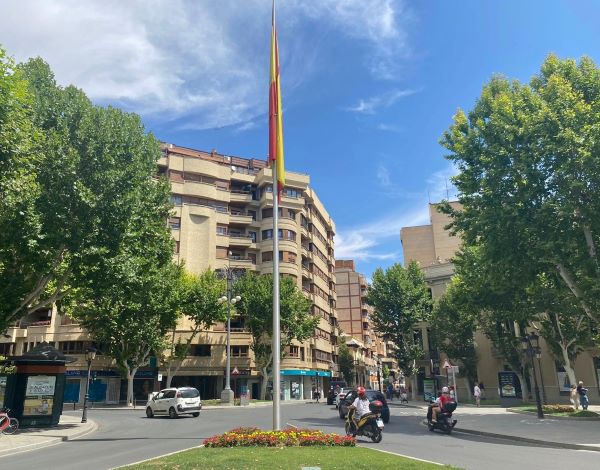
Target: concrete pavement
(496,422)
(69,428)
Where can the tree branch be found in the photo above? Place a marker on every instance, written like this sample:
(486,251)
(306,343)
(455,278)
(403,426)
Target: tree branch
(566,276)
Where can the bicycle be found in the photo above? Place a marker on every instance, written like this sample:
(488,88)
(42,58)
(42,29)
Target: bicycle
(8,425)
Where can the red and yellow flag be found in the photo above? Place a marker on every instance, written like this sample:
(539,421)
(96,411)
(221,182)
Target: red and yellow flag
(275,117)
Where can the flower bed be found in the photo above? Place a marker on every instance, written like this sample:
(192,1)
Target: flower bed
(558,409)
(289,437)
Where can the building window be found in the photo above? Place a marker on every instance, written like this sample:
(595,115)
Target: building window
(71,347)
(176,176)
(176,199)
(239,351)
(294,351)
(200,350)
(7,349)
(291,192)
(266,213)
(267,256)
(222,252)
(221,229)
(267,234)
(252,236)
(175,223)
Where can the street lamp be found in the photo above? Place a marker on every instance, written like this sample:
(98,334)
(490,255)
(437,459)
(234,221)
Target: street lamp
(531,346)
(227,395)
(90,356)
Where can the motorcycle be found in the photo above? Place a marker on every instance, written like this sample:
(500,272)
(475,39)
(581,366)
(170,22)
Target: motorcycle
(369,425)
(444,422)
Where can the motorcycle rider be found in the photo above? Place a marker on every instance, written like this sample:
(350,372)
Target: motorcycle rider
(361,405)
(445,398)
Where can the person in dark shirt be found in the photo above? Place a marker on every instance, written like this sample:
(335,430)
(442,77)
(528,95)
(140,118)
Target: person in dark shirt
(583,398)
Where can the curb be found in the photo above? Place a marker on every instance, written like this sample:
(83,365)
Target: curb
(417,407)
(92,426)
(551,416)
(507,437)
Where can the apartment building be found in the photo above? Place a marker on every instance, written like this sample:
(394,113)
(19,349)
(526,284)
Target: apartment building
(223,218)
(433,247)
(354,319)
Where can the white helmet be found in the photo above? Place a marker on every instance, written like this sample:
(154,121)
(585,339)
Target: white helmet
(445,390)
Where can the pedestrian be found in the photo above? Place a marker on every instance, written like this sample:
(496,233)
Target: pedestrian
(477,395)
(574,397)
(390,391)
(583,398)
(482,388)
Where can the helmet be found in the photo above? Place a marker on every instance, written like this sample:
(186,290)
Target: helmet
(361,391)
(445,390)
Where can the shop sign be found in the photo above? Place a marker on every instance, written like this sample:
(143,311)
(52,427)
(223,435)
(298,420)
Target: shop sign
(428,389)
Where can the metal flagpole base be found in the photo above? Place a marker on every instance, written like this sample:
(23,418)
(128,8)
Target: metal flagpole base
(227,397)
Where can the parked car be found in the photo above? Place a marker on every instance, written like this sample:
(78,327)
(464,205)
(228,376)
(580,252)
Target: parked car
(174,402)
(340,396)
(334,387)
(372,395)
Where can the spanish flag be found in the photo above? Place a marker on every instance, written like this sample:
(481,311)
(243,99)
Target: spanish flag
(275,118)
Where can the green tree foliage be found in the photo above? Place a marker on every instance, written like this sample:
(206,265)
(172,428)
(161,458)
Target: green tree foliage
(401,299)
(528,183)
(199,302)
(256,308)
(85,166)
(453,324)
(346,363)
(6,368)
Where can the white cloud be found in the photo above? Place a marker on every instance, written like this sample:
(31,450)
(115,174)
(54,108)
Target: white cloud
(383,175)
(181,58)
(385,100)
(389,127)
(363,243)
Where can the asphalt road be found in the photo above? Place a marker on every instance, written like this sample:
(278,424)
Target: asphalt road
(126,436)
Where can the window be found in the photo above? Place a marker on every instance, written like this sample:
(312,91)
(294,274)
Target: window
(252,214)
(221,229)
(266,213)
(200,350)
(169,394)
(252,236)
(239,351)
(294,351)
(291,192)
(176,199)
(7,349)
(252,257)
(175,223)
(267,256)
(267,234)
(189,393)
(176,176)
(71,347)
(222,252)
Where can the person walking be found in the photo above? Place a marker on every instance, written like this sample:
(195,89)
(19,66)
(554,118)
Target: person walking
(477,395)
(583,398)
(574,397)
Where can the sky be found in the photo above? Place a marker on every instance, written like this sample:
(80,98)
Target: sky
(368,86)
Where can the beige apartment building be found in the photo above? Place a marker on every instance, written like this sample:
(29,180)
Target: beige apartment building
(433,247)
(223,218)
(354,319)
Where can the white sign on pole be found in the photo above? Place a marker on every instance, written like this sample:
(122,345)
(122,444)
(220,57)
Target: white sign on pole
(160,377)
(235,371)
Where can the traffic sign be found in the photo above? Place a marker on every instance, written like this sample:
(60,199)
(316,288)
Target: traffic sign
(235,371)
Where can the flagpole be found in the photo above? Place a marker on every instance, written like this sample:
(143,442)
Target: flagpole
(276,346)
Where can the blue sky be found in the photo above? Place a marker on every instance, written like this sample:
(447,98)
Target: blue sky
(368,86)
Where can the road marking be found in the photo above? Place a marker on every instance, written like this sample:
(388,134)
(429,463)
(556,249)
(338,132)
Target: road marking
(291,425)
(157,457)
(403,455)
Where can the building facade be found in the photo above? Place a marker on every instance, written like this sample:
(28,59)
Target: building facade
(354,317)
(433,247)
(223,219)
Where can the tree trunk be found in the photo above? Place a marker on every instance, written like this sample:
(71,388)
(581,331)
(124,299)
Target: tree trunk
(414,387)
(468,386)
(567,364)
(130,375)
(263,385)
(172,373)
(524,388)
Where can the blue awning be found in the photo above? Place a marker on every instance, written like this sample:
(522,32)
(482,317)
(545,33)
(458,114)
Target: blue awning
(312,373)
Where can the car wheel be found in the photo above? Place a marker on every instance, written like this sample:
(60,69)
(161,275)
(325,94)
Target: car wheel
(149,413)
(195,415)
(172,413)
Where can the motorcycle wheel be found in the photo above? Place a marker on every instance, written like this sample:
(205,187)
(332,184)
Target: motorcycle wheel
(376,436)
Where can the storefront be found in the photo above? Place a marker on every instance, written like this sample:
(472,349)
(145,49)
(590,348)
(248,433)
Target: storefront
(298,384)
(104,386)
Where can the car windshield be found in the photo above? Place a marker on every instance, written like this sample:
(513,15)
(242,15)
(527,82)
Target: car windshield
(190,393)
(373,395)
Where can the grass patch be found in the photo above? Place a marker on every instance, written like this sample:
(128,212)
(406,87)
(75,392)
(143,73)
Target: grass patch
(328,458)
(550,411)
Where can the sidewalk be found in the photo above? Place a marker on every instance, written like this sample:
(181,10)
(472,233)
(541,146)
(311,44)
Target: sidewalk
(27,439)
(499,423)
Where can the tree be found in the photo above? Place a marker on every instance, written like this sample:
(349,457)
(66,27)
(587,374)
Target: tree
(346,363)
(256,308)
(199,302)
(6,368)
(401,299)
(87,165)
(529,177)
(453,324)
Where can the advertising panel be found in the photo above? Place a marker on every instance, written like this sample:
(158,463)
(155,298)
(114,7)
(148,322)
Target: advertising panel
(39,395)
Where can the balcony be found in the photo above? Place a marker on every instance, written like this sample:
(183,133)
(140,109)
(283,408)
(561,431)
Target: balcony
(239,217)
(240,239)
(243,262)
(240,195)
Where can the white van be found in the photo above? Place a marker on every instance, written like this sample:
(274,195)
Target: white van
(174,402)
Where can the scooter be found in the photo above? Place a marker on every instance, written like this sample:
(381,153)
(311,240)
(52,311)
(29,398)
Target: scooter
(369,425)
(444,422)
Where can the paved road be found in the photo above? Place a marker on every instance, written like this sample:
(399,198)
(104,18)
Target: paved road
(127,436)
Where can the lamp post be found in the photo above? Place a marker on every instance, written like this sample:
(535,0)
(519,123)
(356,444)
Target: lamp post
(531,346)
(227,395)
(90,356)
